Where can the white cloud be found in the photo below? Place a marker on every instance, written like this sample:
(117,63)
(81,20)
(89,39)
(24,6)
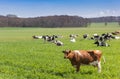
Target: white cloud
(102,13)
(108,13)
(113,12)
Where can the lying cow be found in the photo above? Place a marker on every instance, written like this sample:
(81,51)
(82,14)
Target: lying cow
(48,38)
(101,43)
(72,37)
(72,40)
(88,57)
(37,37)
(85,36)
(58,43)
(116,32)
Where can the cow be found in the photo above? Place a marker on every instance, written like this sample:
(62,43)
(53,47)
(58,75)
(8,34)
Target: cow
(58,43)
(85,36)
(100,40)
(101,43)
(116,32)
(72,40)
(95,37)
(37,37)
(72,37)
(49,38)
(107,36)
(86,57)
(116,37)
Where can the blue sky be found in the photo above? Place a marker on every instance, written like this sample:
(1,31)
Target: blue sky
(84,8)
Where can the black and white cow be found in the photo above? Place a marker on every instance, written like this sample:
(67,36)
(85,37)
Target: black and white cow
(101,39)
(72,37)
(101,43)
(95,37)
(49,38)
(85,36)
(37,37)
(58,43)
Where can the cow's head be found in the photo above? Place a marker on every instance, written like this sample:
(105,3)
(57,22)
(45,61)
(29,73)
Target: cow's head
(66,53)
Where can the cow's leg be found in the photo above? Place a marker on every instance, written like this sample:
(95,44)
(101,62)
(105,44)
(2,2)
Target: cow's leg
(99,67)
(77,67)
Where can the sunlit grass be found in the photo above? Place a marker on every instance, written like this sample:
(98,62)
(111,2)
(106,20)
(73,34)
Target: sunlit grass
(22,57)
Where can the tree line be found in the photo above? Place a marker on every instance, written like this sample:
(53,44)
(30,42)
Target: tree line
(45,22)
(105,19)
(53,21)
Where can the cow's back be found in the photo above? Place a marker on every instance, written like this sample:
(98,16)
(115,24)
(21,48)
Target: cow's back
(85,57)
(90,56)
(96,54)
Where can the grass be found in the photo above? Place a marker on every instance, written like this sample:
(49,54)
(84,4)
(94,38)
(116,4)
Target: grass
(22,57)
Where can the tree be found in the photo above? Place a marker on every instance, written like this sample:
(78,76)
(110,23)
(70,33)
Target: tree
(106,23)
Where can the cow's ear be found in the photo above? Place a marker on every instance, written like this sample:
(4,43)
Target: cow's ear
(69,51)
(66,51)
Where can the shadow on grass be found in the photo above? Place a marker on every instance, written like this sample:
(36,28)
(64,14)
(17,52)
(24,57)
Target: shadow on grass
(88,72)
(66,74)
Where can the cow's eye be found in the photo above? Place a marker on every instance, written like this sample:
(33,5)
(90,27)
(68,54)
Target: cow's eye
(67,53)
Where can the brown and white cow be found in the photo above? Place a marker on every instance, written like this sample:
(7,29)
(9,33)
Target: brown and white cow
(87,57)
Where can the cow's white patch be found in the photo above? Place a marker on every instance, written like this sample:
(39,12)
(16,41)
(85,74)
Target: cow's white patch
(97,51)
(95,34)
(98,64)
(72,40)
(78,52)
(117,37)
(39,37)
(94,63)
(99,67)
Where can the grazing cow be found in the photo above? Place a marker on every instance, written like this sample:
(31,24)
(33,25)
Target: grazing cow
(87,57)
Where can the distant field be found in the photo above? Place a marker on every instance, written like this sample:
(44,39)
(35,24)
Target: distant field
(102,25)
(22,57)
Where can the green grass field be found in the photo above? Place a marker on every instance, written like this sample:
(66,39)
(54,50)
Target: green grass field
(22,57)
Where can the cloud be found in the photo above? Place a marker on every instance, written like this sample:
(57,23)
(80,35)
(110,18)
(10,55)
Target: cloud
(102,13)
(108,13)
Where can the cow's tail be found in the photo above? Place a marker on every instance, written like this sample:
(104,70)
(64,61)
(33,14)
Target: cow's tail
(104,59)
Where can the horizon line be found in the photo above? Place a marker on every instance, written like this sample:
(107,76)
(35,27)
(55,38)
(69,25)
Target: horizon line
(59,15)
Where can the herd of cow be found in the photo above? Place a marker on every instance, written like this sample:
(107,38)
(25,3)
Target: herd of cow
(51,39)
(81,57)
(99,40)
